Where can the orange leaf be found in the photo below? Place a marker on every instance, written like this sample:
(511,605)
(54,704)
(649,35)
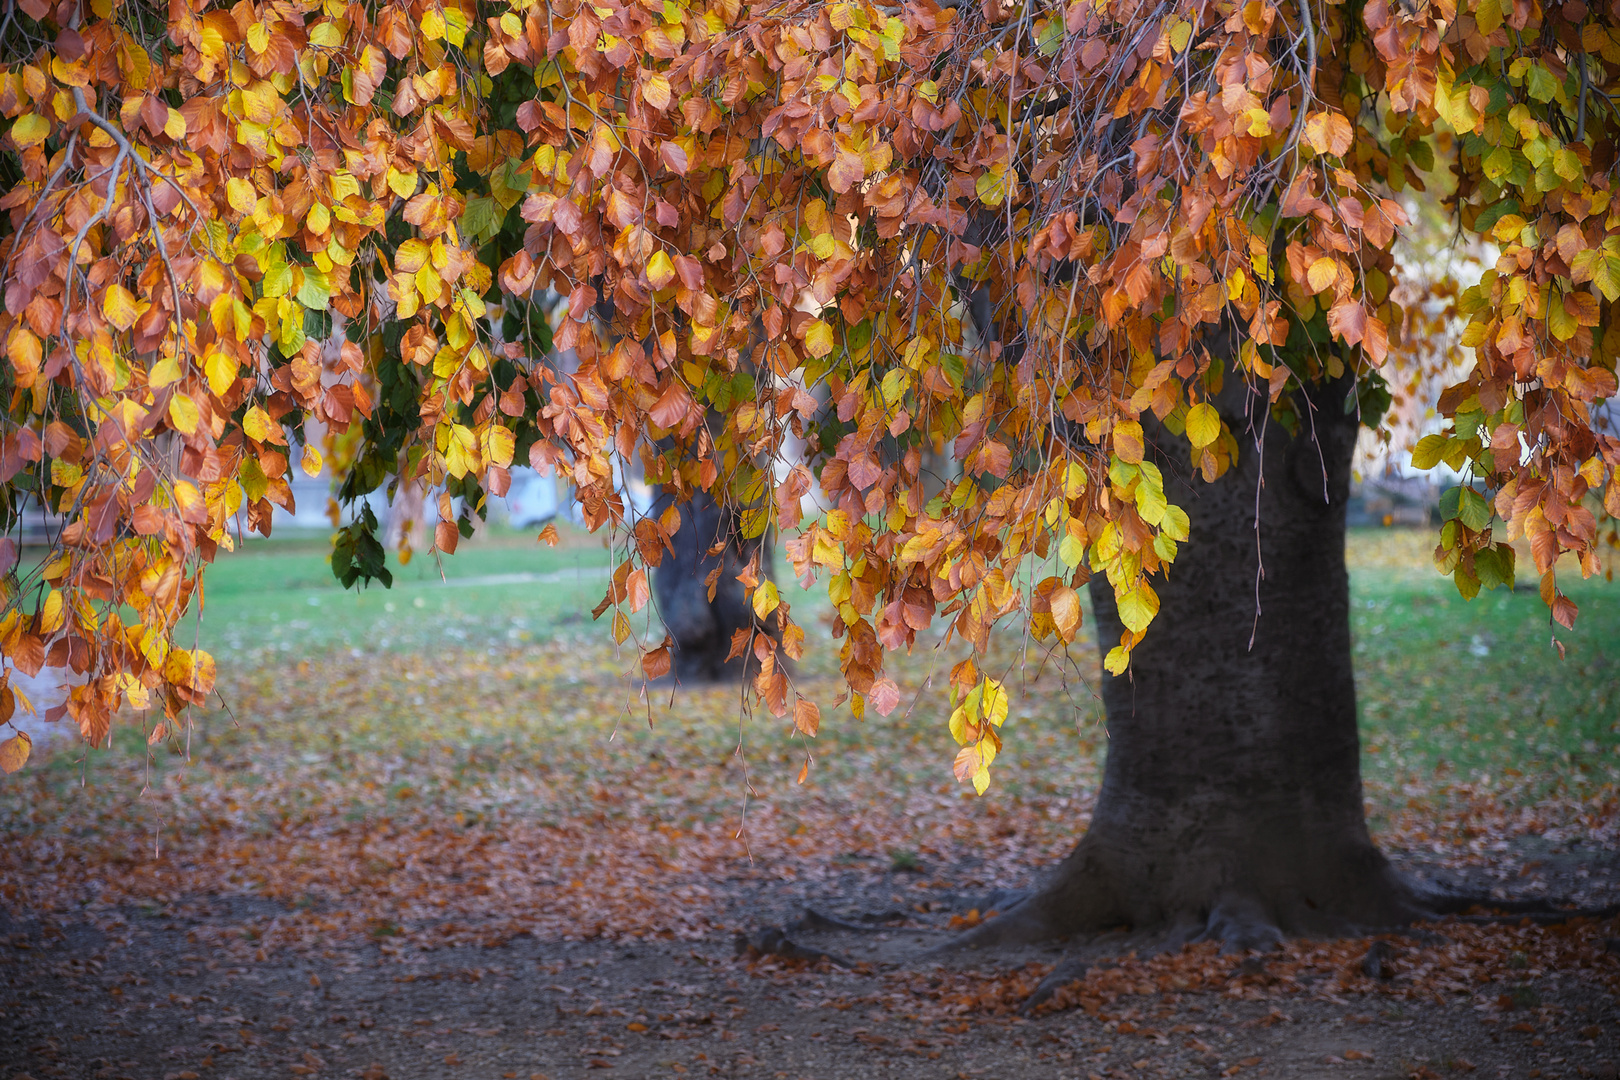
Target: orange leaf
(14,752)
(656,662)
(807,716)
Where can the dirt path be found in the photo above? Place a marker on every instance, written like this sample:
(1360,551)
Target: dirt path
(183,992)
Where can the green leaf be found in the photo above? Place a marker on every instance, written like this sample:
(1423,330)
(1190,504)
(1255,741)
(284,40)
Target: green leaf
(1492,214)
(1606,276)
(1430,449)
(480,219)
(1497,164)
(1494,566)
(316,291)
(1474,511)
(1541,83)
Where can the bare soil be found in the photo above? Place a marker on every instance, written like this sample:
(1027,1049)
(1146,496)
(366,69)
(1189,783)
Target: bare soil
(183,992)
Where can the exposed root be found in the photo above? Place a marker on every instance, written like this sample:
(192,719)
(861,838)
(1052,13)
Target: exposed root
(1071,970)
(773,941)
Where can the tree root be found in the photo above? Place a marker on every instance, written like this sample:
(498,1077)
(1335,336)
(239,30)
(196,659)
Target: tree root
(1243,921)
(773,941)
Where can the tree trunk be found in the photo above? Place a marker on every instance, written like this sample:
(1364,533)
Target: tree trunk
(1231,804)
(703,628)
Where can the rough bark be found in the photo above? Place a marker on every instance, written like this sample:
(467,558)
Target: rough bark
(1231,804)
(703,628)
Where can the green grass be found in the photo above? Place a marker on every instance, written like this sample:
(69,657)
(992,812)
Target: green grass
(1476,688)
(278,597)
(1442,683)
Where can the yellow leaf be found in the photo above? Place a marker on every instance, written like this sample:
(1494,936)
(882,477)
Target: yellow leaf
(258,425)
(30,130)
(175,126)
(432,24)
(819,339)
(1074,480)
(51,613)
(310,461)
(118,304)
(183,414)
(1508,227)
(992,186)
(14,752)
(1118,659)
(1329,133)
(621,627)
(502,444)
(1137,607)
(1203,425)
(1128,441)
(994,701)
(1174,524)
(766,599)
(656,92)
(660,269)
(1323,273)
(400,183)
(221,368)
(164,372)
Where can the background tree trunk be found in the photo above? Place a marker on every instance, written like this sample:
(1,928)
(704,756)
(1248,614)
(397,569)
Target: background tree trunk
(702,628)
(1231,804)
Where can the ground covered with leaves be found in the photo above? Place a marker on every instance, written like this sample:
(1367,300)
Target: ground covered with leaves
(433,834)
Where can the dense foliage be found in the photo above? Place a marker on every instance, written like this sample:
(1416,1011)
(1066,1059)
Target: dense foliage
(897,234)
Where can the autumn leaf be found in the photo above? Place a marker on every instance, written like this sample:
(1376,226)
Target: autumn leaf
(1323,273)
(14,752)
(806,716)
(1137,607)
(1329,133)
(183,414)
(1203,425)
(1128,442)
(818,339)
(1066,612)
(118,304)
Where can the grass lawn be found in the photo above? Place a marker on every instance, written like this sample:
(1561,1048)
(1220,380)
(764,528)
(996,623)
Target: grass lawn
(1475,688)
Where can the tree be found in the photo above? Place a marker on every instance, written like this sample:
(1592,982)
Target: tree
(1112,253)
(698,584)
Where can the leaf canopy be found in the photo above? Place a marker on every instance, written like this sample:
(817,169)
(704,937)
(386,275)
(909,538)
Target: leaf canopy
(444,238)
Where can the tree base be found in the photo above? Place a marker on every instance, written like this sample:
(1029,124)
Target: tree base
(1083,896)
(1177,898)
